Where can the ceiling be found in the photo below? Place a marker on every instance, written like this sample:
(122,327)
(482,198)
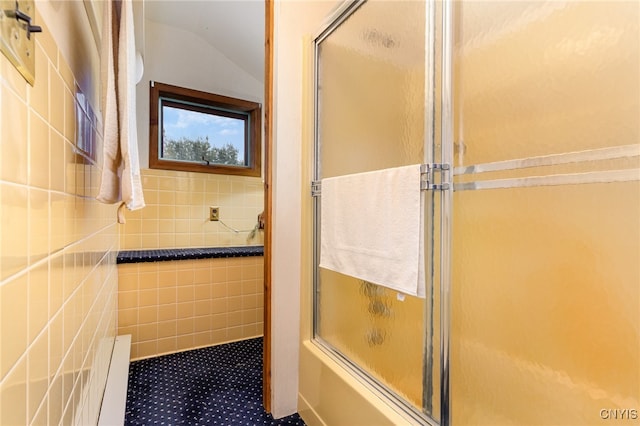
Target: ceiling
(233,27)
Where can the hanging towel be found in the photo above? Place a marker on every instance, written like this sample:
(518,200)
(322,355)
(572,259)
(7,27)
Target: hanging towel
(109,190)
(372,227)
(121,180)
(127,78)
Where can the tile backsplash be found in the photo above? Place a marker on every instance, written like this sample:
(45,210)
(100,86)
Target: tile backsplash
(58,278)
(173,306)
(177,211)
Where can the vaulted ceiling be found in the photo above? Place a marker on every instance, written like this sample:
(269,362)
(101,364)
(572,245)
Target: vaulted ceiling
(233,27)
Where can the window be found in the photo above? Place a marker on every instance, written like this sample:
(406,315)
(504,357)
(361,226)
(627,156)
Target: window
(203,132)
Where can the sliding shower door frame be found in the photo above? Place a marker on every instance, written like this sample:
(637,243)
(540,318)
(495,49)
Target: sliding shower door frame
(338,17)
(438,148)
(446,201)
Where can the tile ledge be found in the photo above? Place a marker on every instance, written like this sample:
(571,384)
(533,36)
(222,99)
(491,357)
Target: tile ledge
(162,255)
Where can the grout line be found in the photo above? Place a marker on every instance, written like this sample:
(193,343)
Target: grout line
(45,328)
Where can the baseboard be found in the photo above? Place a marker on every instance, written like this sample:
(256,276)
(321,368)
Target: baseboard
(308,414)
(114,402)
(156,355)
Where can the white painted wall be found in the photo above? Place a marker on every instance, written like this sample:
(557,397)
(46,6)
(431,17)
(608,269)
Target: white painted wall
(181,58)
(294,21)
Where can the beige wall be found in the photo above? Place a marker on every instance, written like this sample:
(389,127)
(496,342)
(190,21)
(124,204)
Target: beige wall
(58,280)
(179,305)
(177,211)
(293,21)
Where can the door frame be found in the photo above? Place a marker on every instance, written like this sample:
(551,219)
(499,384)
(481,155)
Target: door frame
(268,146)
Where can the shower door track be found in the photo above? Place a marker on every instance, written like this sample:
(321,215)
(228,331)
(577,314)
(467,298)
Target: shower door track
(379,388)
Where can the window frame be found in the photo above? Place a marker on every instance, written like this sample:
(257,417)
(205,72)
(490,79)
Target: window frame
(174,95)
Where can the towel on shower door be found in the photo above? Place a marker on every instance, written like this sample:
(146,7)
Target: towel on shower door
(372,227)
(121,179)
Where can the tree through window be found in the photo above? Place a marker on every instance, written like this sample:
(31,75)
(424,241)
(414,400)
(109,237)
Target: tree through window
(203,132)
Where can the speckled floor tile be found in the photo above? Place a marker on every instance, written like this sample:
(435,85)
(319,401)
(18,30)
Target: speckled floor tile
(218,385)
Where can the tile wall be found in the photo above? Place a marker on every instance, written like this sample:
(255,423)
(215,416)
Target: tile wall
(177,211)
(178,305)
(58,278)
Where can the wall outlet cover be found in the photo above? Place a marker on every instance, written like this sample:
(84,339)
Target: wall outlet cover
(214,213)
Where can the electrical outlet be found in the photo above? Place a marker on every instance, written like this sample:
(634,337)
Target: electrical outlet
(214,213)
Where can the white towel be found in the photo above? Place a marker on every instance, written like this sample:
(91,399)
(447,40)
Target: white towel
(372,227)
(121,179)
(109,190)
(127,77)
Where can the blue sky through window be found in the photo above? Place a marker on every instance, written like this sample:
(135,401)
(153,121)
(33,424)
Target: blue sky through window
(178,123)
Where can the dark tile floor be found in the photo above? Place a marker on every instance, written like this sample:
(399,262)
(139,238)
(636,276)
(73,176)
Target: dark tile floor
(218,385)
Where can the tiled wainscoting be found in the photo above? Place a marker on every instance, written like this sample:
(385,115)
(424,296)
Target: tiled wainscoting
(184,304)
(58,245)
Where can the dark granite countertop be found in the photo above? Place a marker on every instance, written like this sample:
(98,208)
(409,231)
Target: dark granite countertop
(159,255)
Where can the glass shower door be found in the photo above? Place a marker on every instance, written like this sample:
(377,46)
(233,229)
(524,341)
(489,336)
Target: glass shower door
(535,105)
(371,104)
(546,213)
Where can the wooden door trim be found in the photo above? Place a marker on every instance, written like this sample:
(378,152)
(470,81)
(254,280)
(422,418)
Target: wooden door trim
(268,145)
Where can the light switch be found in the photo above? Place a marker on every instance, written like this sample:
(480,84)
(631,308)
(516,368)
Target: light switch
(16,35)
